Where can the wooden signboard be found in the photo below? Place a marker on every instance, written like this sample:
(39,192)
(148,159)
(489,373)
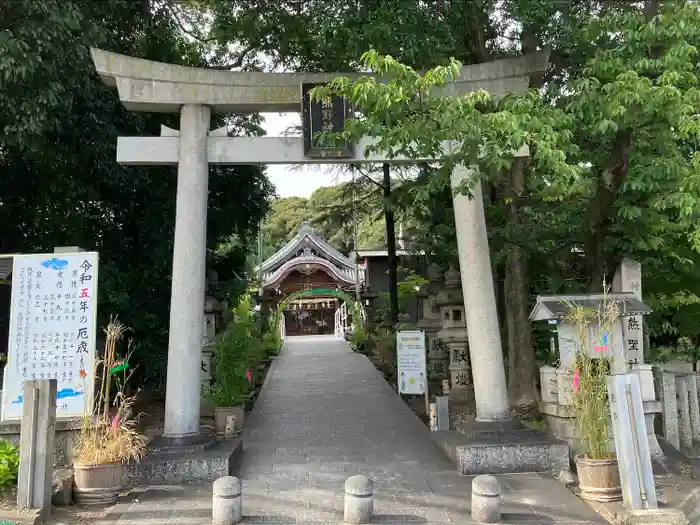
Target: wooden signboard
(327,115)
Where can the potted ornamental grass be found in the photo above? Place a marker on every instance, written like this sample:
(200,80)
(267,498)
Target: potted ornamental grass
(234,360)
(596,463)
(108,437)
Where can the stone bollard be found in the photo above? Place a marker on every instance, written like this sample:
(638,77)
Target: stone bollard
(227,502)
(359,499)
(486,499)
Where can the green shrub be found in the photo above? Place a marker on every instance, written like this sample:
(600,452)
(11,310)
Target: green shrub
(236,351)
(9,464)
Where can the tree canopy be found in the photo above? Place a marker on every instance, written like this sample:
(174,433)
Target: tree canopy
(61,183)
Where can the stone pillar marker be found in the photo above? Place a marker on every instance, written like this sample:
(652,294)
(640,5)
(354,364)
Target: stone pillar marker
(182,398)
(35,483)
(454,337)
(438,358)
(488,371)
(628,279)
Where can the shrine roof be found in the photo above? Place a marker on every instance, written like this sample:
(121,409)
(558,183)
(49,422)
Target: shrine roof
(558,306)
(286,259)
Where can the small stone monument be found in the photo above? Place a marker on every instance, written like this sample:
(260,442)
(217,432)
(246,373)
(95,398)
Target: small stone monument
(454,336)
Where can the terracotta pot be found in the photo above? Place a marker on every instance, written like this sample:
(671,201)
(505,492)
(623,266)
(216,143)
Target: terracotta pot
(221,415)
(599,479)
(97,484)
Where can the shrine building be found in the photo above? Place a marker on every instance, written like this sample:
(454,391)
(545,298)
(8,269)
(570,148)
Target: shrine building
(315,275)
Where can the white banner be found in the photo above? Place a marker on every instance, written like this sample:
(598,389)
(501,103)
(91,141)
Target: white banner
(410,356)
(52,330)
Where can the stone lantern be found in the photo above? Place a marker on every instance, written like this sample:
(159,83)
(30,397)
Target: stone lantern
(367,296)
(430,323)
(454,335)
(211,310)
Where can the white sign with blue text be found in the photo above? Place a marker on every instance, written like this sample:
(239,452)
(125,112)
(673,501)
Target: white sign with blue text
(410,357)
(52,330)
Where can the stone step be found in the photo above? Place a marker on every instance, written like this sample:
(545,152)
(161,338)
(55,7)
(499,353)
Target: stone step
(494,452)
(198,466)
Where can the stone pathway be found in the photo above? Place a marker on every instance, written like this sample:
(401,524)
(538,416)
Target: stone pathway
(324,414)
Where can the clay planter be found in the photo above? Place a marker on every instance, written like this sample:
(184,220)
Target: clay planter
(599,479)
(221,415)
(97,484)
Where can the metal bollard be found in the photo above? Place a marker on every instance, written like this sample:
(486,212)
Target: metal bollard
(359,500)
(227,501)
(486,500)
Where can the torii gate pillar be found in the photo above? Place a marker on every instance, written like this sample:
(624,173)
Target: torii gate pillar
(195,93)
(182,395)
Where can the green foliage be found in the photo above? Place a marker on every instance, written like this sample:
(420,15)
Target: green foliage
(9,464)
(61,183)
(683,350)
(329,211)
(237,350)
(360,338)
(271,336)
(408,288)
(329,35)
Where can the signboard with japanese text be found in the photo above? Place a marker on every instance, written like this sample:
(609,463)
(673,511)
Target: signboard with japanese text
(318,116)
(410,357)
(52,330)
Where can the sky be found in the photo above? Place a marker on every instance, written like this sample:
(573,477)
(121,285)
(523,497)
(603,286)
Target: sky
(297,181)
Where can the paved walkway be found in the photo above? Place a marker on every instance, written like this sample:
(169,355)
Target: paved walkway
(324,414)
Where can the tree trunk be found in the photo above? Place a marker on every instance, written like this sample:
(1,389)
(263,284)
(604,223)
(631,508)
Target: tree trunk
(391,248)
(600,212)
(522,368)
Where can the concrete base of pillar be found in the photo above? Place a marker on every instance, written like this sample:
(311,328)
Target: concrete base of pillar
(502,447)
(168,463)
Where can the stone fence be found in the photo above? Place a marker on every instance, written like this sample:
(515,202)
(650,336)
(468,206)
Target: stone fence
(677,388)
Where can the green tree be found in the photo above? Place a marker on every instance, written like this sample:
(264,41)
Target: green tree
(550,230)
(61,183)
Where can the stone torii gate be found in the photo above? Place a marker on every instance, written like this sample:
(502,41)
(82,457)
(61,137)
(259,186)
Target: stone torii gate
(196,93)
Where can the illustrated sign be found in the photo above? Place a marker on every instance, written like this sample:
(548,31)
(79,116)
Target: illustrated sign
(410,356)
(326,115)
(52,330)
